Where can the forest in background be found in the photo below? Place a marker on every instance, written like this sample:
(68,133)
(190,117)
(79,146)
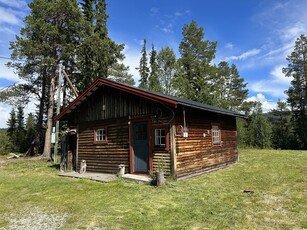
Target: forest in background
(62,32)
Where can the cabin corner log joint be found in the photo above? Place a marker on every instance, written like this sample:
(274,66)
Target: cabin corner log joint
(119,124)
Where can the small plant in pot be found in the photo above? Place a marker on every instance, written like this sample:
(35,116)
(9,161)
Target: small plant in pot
(160,174)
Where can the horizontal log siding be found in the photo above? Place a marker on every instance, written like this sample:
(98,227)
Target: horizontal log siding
(195,154)
(162,160)
(104,158)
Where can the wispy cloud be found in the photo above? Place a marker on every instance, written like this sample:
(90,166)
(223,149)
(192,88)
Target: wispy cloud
(6,73)
(7,30)
(229,45)
(14,3)
(182,13)
(169,21)
(245,55)
(8,16)
(154,11)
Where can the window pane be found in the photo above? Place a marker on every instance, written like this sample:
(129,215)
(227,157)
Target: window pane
(215,134)
(160,137)
(101,135)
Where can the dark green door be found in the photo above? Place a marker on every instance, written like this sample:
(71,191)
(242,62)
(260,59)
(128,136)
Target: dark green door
(140,147)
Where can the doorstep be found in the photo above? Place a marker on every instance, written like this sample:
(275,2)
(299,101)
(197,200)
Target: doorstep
(135,177)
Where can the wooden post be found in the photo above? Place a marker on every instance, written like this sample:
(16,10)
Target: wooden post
(173,151)
(70,84)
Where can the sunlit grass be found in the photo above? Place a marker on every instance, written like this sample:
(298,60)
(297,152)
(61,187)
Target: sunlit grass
(213,201)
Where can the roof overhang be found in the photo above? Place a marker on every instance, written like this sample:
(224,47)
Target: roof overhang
(125,88)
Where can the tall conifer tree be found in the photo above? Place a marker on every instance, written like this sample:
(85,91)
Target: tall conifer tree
(143,68)
(153,79)
(195,68)
(297,92)
(166,60)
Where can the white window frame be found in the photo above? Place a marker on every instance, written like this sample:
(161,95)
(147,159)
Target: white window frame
(216,135)
(101,135)
(159,137)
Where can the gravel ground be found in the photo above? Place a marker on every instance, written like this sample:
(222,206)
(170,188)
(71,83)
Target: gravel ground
(35,219)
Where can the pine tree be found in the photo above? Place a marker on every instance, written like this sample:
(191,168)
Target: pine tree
(229,88)
(143,68)
(153,79)
(297,92)
(51,32)
(195,71)
(166,60)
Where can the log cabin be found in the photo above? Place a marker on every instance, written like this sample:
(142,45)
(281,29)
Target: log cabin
(147,131)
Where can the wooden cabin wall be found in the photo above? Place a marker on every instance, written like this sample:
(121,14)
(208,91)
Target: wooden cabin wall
(162,160)
(112,108)
(104,158)
(109,103)
(196,154)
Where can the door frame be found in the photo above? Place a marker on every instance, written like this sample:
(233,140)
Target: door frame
(149,128)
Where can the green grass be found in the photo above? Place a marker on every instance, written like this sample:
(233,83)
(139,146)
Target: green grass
(30,190)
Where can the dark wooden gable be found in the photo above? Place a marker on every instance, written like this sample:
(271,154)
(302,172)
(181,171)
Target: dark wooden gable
(111,103)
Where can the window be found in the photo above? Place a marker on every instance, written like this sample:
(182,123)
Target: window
(100,135)
(160,137)
(216,135)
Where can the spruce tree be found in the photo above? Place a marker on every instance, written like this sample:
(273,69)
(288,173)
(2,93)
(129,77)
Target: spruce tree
(97,54)
(281,127)
(12,124)
(30,136)
(297,92)
(259,129)
(143,68)
(20,132)
(119,73)
(153,79)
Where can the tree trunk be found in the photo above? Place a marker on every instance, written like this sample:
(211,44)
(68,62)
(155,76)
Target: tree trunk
(39,131)
(47,147)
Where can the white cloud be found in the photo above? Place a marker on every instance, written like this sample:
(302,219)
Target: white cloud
(6,73)
(275,85)
(229,45)
(14,3)
(267,105)
(5,110)
(132,60)
(8,16)
(182,13)
(245,55)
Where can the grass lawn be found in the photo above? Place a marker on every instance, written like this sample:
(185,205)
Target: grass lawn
(33,196)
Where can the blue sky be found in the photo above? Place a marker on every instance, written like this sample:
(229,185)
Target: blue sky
(256,35)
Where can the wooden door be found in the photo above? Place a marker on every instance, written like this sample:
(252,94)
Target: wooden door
(140,147)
